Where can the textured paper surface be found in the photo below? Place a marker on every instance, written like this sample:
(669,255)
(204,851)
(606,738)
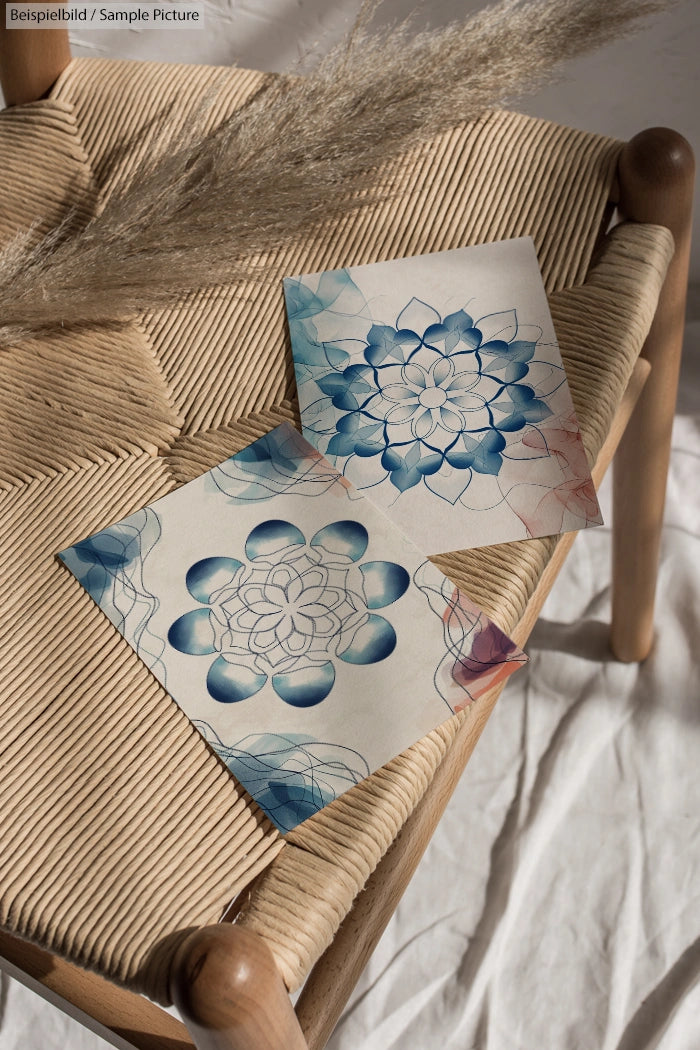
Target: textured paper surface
(436,385)
(305,637)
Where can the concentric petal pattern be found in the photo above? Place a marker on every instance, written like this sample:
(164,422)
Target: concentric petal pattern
(435,393)
(285,614)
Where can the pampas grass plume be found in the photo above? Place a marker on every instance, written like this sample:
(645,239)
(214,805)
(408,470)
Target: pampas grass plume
(305,149)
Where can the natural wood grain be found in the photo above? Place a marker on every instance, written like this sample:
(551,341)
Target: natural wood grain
(124,1019)
(656,175)
(31,60)
(331,981)
(227,987)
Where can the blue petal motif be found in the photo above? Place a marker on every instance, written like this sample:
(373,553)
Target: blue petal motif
(432,393)
(383,583)
(537,410)
(459,458)
(101,559)
(486,458)
(463,336)
(366,449)
(193,633)
(272,537)
(341,444)
(430,464)
(335,384)
(374,641)
(348,539)
(206,577)
(435,333)
(384,342)
(289,803)
(306,686)
(110,565)
(514,371)
(405,478)
(107,548)
(349,424)
(391,460)
(228,683)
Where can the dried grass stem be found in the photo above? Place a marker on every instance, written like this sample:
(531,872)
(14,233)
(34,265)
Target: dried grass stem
(206,213)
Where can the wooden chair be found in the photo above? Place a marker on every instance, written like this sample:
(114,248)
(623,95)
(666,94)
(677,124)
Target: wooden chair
(123,839)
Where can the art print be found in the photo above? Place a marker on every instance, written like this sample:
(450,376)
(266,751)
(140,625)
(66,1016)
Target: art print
(307,639)
(435,384)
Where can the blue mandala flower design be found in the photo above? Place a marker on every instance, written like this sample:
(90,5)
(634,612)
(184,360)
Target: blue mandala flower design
(428,393)
(287,611)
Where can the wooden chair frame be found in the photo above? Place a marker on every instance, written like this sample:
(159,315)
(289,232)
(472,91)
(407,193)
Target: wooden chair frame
(224,980)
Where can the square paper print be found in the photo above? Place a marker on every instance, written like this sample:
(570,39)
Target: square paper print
(435,384)
(307,639)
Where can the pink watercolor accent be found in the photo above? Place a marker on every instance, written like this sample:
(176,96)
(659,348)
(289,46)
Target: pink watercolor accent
(492,656)
(571,504)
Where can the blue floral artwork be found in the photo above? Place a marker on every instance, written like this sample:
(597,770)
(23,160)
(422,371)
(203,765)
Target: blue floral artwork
(307,639)
(288,610)
(436,385)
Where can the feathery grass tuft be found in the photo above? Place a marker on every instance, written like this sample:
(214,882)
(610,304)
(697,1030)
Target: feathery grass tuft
(202,213)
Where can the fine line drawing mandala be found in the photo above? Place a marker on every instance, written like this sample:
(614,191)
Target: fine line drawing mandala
(284,614)
(304,636)
(436,385)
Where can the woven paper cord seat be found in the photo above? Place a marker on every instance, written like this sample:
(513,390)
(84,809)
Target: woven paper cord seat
(119,829)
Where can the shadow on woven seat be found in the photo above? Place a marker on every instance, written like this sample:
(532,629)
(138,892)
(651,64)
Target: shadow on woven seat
(130,833)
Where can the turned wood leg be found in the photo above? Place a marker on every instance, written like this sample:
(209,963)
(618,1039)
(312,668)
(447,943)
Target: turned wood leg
(230,994)
(656,186)
(31,60)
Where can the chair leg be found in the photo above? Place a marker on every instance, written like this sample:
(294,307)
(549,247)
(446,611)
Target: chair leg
(31,60)
(230,994)
(656,174)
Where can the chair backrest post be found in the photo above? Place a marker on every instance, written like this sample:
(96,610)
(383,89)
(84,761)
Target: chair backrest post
(31,60)
(656,173)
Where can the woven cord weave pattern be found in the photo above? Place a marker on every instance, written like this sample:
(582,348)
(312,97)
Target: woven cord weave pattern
(54,168)
(119,829)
